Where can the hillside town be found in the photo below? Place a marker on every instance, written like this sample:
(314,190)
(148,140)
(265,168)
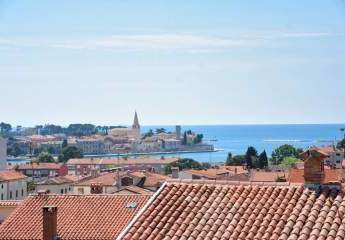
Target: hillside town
(92,140)
(172,198)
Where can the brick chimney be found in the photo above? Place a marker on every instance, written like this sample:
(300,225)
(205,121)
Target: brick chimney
(50,223)
(314,170)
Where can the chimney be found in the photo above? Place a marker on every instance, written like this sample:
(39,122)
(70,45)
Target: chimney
(50,223)
(314,170)
(174,172)
(96,188)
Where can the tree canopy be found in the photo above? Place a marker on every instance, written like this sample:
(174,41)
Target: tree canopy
(45,157)
(251,156)
(284,151)
(183,163)
(70,152)
(262,160)
(289,162)
(5,128)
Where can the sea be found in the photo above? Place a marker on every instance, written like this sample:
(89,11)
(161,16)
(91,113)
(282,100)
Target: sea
(237,138)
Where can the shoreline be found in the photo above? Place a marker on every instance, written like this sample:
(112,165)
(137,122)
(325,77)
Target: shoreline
(152,153)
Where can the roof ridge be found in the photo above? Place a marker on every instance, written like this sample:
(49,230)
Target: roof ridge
(229,182)
(141,211)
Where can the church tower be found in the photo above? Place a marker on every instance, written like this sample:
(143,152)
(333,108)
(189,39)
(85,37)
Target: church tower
(136,126)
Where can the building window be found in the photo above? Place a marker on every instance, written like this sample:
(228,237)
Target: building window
(22,192)
(10,194)
(16,193)
(61,191)
(126,181)
(2,196)
(2,186)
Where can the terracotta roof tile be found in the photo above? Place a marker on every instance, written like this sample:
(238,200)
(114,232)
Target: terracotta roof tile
(78,216)
(212,210)
(52,166)
(10,175)
(5,203)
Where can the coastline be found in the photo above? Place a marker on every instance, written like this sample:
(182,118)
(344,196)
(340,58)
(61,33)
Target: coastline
(153,153)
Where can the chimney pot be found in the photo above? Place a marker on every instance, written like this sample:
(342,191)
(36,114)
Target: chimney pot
(50,223)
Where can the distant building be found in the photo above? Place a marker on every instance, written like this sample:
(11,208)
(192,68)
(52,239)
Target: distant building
(3,154)
(116,181)
(13,185)
(90,145)
(42,171)
(84,166)
(334,157)
(58,185)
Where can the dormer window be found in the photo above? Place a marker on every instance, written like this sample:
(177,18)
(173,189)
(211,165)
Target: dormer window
(126,181)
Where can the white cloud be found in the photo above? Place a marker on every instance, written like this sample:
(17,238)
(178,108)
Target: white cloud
(193,43)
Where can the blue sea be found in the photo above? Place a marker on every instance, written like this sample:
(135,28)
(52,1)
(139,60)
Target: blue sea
(237,138)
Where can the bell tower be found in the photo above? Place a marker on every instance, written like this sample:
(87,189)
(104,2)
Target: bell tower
(136,126)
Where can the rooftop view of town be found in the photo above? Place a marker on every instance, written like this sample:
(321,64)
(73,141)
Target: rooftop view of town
(172,120)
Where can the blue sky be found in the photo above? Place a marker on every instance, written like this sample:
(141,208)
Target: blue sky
(175,62)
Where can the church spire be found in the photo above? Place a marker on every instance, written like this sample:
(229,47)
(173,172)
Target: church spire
(136,124)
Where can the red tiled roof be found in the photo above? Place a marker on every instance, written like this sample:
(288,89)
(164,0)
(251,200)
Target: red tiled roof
(134,190)
(6,203)
(331,175)
(52,166)
(78,216)
(10,175)
(109,179)
(61,180)
(263,176)
(130,161)
(228,211)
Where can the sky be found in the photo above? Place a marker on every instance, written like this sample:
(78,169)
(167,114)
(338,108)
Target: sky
(175,62)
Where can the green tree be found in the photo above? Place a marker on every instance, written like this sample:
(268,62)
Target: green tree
(284,151)
(5,128)
(289,162)
(228,161)
(341,144)
(184,139)
(45,157)
(251,157)
(198,138)
(160,130)
(64,143)
(148,134)
(70,152)
(183,163)
(263,160)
